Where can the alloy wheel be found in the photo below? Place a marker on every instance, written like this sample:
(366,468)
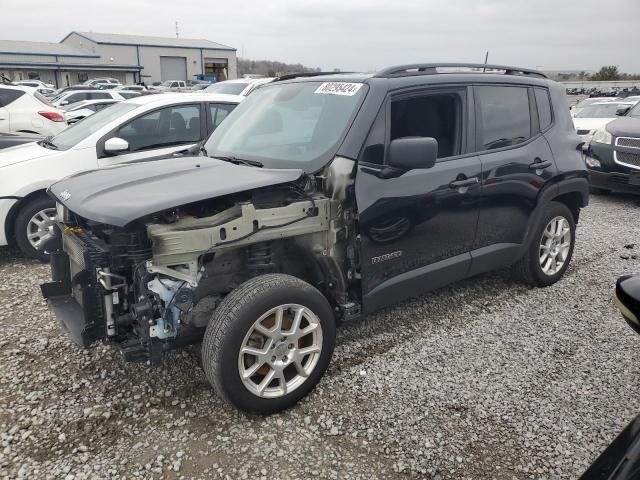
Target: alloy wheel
(40,228)
(555,244)
(280,350)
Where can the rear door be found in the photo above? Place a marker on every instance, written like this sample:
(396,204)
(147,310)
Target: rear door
(159,133)
(516,162)
(417,229)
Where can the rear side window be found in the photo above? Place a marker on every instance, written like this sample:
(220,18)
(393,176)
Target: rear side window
(504,115)
(544,108)
(9,96)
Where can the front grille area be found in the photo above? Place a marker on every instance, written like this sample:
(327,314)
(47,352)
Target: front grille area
(86,254)
(583,132)
(631,159)
(628,142)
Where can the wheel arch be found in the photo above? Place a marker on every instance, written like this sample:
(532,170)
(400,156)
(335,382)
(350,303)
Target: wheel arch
(9,224)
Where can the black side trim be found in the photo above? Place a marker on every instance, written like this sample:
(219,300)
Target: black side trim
(11,197)
(493,257)
(417,282)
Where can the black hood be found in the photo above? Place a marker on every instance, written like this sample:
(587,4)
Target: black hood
(123,193)
(624,127)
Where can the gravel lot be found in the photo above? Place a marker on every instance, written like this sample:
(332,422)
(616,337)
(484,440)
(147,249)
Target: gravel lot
(483,379)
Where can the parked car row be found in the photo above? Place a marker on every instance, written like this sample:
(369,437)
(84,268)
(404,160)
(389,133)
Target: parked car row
(145,127)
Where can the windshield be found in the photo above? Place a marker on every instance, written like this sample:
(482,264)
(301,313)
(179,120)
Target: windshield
(234,88)
(293,125)
(75,134)
(607,110)
(166,83)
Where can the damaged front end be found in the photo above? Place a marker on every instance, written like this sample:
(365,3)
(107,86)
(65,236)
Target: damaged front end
(151,285)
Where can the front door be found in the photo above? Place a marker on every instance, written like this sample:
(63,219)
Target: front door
(417,229)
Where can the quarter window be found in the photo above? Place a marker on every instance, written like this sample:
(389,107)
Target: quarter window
(544,108)
(174,125)
(7,96)
(504,113)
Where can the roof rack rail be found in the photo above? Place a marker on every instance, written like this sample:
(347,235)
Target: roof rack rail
(432,69)
(289,76)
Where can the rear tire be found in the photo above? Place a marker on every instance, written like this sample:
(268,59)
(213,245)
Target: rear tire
(551,249)
(32,224)
(255,351)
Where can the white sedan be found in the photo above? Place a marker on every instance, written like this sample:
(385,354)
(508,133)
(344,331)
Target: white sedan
(23,110)
(596,115)
(143,128)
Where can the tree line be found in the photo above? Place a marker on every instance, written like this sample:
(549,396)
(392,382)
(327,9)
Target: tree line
(606,73)
(269,68)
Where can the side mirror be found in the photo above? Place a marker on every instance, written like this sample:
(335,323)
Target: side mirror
(622,111)
(64,102)
(409,153)
(627,300)
(116,145)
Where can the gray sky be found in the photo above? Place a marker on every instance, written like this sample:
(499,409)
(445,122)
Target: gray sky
(363,34)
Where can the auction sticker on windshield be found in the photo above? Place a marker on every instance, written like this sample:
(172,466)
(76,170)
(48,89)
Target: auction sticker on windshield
(339,88)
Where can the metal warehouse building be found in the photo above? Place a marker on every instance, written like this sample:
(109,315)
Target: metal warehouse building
(129,58)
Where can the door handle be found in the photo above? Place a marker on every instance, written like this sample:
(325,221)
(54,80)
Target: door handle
(540,164)
(465,182)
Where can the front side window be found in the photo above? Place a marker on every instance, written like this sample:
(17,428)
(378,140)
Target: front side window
(79,131)
(289,125)
(504,115)
(435,116)
(99,95)
(168,126)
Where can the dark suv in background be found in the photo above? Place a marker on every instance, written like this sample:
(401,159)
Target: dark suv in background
(320,198)
(613,155)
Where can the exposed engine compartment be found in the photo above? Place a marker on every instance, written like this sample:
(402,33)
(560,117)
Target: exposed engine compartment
(152,285)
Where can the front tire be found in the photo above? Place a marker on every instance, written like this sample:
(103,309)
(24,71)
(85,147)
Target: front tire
(268,343)
(551,248)
(33,227)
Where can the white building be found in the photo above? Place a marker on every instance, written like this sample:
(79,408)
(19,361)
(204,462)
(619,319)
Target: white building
(129,58)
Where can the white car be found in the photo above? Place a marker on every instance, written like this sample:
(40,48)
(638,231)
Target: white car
(74,96)
(171,86)
(77,111)
(597,115)
(143,128)
(239,86)
(34,84)
(96,82)
(25,110)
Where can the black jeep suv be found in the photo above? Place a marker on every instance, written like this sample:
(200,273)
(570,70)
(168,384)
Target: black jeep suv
(319,199)
(613,155)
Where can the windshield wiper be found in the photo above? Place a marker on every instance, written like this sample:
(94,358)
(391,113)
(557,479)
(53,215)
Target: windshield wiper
(47,143)
(239,161)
